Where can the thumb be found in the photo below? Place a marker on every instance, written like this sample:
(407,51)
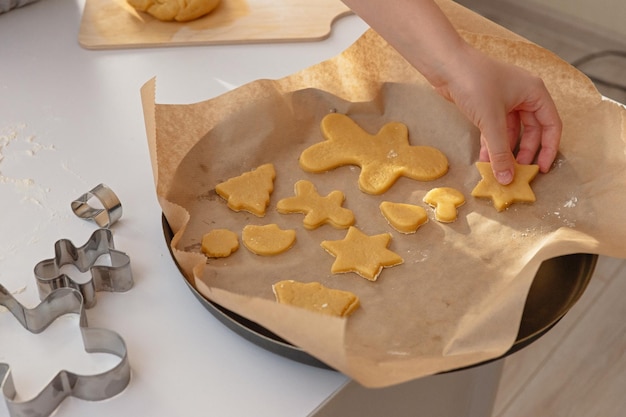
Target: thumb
(500,155)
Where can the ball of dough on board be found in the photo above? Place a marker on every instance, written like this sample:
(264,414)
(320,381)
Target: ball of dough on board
(178,10)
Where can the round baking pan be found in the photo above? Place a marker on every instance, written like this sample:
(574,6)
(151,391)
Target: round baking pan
(557,286)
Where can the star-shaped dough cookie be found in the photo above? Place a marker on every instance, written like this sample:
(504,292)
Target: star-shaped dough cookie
(360,253)
(318,209)
(249,191)
(383,157)
(503,196)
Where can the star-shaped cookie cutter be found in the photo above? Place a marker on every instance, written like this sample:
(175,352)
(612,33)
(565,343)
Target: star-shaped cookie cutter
(114,278)
(94,387)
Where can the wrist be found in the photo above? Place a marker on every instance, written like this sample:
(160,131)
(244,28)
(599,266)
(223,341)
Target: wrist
(449,64)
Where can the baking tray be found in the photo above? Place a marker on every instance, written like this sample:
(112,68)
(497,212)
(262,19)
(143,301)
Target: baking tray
(558,284)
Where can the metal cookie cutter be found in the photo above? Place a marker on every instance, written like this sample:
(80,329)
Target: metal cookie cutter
(87,387)
(117,277)
(109,212)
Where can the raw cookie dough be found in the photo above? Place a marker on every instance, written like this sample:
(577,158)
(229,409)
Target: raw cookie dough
(219,243)
(383,157)
(360,253)
(502,196)
(405,218)
(178,10)
(445,200)
(267,240)
(318,209)
(316,297)
(249,191)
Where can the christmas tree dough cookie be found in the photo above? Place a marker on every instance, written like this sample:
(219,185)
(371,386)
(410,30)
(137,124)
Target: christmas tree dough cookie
(316,297)
(405,218)
(249,191)
(445,200)
(318,210)
(362,254)
(503,196)
(267,240)
(383,157)
(219,243)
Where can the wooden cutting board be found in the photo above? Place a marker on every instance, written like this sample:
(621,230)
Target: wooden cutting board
(108,24)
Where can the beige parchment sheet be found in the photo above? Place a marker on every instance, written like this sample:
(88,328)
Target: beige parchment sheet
(458,297)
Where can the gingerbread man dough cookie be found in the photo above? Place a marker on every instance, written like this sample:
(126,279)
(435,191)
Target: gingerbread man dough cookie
(318,209)
(502,196)
(383,157)
(363,254)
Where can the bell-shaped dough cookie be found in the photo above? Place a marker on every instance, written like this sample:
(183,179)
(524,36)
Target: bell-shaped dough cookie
(405,218)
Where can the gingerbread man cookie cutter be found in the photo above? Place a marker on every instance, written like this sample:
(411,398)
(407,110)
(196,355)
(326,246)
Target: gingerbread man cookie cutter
(116,277)
(94,387)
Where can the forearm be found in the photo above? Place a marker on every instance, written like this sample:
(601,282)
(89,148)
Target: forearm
(509,105)
(418,30)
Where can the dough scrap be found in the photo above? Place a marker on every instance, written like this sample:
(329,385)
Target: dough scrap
(405,218)
(219,243)
(319,210)
(362,254)
(445,200)
(383,157)
(267,240)
(316,297)
(503,196)
(175,10)
(249,191)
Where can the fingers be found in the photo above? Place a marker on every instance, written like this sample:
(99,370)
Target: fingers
(540,125)
(531,138)
(541,136)
(510,106)
(548,118)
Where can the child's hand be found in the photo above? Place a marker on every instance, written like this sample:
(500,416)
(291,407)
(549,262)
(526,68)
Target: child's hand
(511,107)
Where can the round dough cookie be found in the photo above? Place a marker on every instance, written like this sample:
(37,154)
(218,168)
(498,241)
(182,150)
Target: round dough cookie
(175,10)
(219,243)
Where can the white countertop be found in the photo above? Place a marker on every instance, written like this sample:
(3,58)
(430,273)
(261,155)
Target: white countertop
(70,119)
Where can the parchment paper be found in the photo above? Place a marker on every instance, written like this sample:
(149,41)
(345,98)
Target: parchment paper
(458,297)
